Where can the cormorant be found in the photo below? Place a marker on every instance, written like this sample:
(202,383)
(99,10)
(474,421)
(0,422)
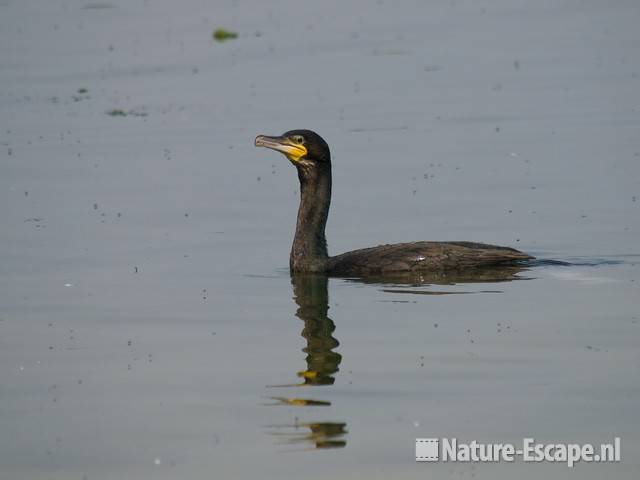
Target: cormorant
(310,154)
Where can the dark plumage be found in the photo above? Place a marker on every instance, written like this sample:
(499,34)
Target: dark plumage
(310,155)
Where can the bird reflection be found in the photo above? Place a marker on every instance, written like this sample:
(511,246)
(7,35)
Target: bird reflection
(403,281)
(310,294)
(322,363)
(323,435)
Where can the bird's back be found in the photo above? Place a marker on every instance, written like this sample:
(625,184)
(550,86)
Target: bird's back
(422,257)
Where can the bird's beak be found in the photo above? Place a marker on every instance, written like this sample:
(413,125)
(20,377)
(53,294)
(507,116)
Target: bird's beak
(293,151)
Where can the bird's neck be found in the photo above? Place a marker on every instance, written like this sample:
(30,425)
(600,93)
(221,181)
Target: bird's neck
(309,250)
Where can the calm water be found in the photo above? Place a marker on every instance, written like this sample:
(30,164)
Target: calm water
(148,324)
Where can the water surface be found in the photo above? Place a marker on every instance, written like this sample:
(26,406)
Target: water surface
(148,324)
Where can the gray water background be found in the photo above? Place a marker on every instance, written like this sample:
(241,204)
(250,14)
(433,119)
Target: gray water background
(146,309)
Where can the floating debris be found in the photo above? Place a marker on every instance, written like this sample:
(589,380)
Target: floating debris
(222,35)
(81,94)
(117,112)
(134,112)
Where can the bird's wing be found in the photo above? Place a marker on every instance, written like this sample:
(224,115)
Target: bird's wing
(423,256)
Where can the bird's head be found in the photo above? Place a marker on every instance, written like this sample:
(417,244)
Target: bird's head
(304,148)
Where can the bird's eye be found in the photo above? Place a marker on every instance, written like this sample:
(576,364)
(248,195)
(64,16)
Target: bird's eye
(299,139)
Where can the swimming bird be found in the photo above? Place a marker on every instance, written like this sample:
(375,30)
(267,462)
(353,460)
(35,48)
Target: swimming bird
(310,154)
